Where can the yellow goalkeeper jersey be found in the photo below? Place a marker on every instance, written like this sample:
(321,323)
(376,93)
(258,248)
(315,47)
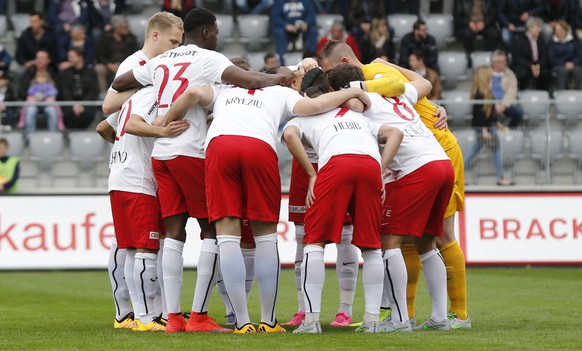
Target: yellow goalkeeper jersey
(424,107)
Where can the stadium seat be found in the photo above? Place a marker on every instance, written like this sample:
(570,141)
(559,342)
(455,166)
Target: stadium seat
(568,106)
(137,25)
(459,112)
(512,146)
(466,139)
(440,26)
(402,24)
(453,67)
(15,142)
(293,58)
(545,144)
(324,22)
(45,149)
(575,152)
(225,30)
(3,26)
(480,58)
(547,33)
(535,104)
(87,148)
(256,60)
(20,21)
(254,31)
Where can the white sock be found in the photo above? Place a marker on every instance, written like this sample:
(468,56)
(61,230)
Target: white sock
(116,268)
(145,275)
(312,277)
(249,258)
(160,300)
(395,281)
(299,234)
(435,274)
(128,271)
(267,268)
(206,279)
(232,267)
(347,266)
(372,277)
(173,266)
(222,291)
(385,301)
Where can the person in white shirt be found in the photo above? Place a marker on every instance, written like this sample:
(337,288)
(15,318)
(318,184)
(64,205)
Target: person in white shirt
(349,180)
(163,32)
(418,189)
(179,164)
(243,180)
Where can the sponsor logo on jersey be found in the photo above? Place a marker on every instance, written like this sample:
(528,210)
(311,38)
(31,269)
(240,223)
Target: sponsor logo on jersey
(155,235)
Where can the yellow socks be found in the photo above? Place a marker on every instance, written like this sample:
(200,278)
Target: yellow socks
(457,277)
(413,268)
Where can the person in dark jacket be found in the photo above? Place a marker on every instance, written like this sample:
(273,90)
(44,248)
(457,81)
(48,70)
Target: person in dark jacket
(419,40)
(575,17)
(77,83)
(471,20)
(513,14)
(530,58)
(34,38)
(292,18)
(565,56)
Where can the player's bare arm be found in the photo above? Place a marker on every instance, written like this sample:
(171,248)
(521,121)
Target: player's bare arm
(329,101)
(255,80)
(136,125)
(114,100)
(196,95)
(125,82)
(391,137)
(106,131)
(292,138)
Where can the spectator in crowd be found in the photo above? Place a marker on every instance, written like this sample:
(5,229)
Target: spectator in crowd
(42,89)
(179,7)
(575,18)
(338,32)
(9,169)
(8,115)
(5,60)
(78,39)
(419,40)
(270,60)
(363,11)
(42,63)
(513,14)
(485,122)
(471,20)
(416,63)
(254,7)
(62,15)
(292,18)
(343,5)
(555,10)
(382,40)
(34,38)
(565,56)
(366,44)
(113,48)
(530,57)
(100,13)
(77,83)
(504,89)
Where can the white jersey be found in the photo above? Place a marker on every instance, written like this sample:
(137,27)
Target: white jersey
(339,132)
(251,113)
(419,145)
(130,163)
(172,73)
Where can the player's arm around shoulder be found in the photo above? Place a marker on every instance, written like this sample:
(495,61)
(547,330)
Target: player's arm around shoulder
(391,137)
(114,100)
(195,95)
(327,102)
(136,125)
(106,131)
(292,137)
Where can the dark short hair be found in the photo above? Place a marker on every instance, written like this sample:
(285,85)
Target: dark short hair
(344,73)
(268,56)
(38,14)
(241,63)
(418,24)
(77,50)
(418,53)
(315,83)
(197,19)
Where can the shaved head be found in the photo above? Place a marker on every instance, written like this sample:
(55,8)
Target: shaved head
(335,52)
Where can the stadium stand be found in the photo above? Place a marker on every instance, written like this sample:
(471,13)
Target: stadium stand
(137,25)
(535,105)
(459,112)
(16,142)
(480,58)
(402,24)
(226,32)
(441,27)
(254,31)
(87,148)
(45,149)
(568,106)
(324,22)
(453,67)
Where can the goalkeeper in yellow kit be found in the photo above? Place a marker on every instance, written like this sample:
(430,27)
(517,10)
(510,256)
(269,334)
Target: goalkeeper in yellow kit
(386,80)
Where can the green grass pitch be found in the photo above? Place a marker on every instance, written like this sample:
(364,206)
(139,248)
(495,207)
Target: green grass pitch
(511,308)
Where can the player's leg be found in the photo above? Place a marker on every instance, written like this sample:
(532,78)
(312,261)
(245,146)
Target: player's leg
(115,267)
(312,279)
(299,316)
(347,266)
(413,269)
(248,249)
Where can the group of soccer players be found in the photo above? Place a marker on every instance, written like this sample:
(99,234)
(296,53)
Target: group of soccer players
(168,165)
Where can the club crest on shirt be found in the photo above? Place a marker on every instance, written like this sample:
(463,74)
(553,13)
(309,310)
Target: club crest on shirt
(377,76)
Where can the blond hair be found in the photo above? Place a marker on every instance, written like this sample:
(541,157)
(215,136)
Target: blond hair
(376,22)
(162,21)
(482,86)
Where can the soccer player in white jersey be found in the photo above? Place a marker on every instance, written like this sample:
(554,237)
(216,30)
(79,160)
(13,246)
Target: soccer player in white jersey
(163,32)
(348,180)
(179,162)
(242,167)
(418,192)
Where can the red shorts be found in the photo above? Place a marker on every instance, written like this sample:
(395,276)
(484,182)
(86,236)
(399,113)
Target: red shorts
(135,219)
(246,232)
(242,179)
(416,203)
(347,183)
(298,192)
(181,186)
